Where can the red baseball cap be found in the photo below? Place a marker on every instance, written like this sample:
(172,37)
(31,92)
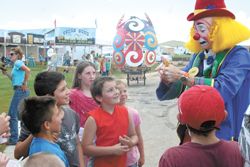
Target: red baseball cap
(209,8)
(200,104)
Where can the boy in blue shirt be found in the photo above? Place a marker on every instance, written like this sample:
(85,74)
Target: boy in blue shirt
(43,119)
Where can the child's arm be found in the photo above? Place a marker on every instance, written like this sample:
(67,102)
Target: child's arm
(80,153)
(22,147)
(90,149)
(140,146)
(3,159)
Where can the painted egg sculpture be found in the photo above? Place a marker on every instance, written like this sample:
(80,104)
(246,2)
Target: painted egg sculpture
(135,42)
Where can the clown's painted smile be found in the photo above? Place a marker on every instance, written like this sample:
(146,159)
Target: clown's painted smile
(203,42)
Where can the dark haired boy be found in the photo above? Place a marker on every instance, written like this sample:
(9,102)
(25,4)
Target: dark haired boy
(54,84)
(43,119)
(110,125)
(201,110)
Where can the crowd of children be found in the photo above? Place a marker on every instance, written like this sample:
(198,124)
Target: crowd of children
(50,126)
(53,122)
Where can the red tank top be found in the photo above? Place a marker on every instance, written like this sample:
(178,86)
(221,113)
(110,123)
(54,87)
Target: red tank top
(109,128)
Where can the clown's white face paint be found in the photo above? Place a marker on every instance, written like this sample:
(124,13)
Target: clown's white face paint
(202,30)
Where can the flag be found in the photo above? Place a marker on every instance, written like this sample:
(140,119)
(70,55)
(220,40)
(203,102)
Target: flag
(95,23)
(55,23)
(55,35)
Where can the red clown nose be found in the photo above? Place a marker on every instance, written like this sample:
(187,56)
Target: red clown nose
(196,36)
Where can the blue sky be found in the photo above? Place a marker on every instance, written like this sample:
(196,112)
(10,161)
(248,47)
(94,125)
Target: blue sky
(168,16)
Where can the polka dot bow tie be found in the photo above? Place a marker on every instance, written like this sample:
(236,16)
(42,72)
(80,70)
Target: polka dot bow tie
(210,60)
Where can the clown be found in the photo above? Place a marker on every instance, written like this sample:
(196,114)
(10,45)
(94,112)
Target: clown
(218,62)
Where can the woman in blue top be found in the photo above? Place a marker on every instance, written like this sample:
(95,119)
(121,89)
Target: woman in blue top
(19,77)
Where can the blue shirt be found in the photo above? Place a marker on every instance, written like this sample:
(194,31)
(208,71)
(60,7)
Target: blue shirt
(17,73)
(41,145)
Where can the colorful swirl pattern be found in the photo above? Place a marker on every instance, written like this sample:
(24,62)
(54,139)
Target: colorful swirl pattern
(150,57)
(118,43)
(119,58)
(151,42)
(134,24)
(134,58)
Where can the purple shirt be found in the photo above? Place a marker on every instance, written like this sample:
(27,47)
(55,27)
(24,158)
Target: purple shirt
(221,154)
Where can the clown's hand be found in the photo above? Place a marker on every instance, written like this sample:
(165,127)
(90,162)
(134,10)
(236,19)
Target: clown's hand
(170,74)
(165,63)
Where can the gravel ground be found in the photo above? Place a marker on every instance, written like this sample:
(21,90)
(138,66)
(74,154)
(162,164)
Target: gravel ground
(158,119)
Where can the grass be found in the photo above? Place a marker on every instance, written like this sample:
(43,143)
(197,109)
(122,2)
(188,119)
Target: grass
(6,90)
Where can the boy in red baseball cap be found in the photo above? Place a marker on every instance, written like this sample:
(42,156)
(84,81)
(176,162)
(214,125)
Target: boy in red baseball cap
(201,110)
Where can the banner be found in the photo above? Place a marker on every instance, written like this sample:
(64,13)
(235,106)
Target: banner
(64,35)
